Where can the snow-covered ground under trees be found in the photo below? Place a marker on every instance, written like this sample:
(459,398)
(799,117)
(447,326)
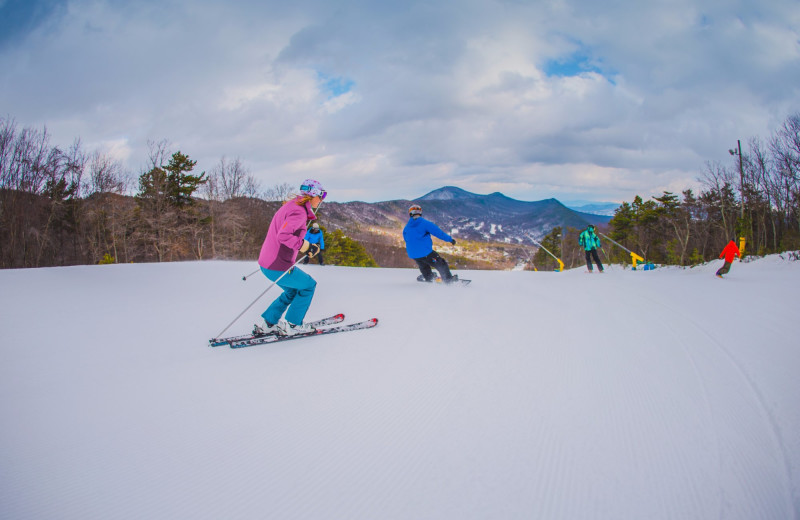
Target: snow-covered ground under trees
(668,394)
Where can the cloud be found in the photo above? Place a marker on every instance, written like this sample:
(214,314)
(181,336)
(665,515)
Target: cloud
(392,100)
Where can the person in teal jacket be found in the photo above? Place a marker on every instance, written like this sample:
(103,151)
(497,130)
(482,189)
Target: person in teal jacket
(591,243)
(314,236)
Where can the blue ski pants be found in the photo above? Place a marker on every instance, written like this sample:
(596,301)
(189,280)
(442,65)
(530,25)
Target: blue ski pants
(298,290)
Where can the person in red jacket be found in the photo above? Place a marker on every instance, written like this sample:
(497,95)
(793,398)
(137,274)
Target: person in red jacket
(729,253)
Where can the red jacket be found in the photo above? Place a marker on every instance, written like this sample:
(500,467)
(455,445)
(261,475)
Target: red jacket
(730,251)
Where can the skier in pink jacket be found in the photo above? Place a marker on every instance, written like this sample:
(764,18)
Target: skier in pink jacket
(279,253)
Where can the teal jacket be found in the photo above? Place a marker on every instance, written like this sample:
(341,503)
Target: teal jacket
(589,240)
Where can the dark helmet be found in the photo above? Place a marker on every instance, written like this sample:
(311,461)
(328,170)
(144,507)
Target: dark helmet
(591,226)
(415,211)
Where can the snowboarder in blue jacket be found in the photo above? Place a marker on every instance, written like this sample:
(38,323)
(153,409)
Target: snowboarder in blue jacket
(314,236)
(591,242)
(419,246)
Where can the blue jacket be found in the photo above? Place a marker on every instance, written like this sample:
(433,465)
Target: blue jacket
(589,240)
(417,235)
(315,238)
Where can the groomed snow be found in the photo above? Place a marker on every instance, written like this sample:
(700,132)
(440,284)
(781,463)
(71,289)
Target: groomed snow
(629,395)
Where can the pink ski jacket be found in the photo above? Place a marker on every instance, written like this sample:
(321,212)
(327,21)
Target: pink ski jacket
(285,236)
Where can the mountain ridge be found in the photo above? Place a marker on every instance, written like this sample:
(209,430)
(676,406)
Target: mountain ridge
(508,225)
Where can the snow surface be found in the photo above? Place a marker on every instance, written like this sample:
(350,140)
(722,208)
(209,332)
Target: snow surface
(629,395)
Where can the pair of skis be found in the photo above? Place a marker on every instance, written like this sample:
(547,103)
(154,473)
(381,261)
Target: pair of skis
(323,326)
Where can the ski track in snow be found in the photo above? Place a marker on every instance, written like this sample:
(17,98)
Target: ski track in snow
(753,430)
(656,395)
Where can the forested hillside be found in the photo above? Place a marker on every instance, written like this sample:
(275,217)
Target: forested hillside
(756,197)
(68,206)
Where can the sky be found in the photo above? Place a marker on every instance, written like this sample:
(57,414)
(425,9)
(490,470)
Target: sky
(573,99)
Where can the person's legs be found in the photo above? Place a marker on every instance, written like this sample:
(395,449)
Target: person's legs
(424,268)
(589,260)
(597,259)
(276,309)
(298,290)
(440,264)
(724,269)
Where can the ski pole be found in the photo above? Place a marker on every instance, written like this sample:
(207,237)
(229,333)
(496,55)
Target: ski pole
(245,277)
(260,295)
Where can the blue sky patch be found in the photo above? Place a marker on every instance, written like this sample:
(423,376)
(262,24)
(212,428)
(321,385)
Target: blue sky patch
(576,64)
(19,17)
(572,65)
(335,86)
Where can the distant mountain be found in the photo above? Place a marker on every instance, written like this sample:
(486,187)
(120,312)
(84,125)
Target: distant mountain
(498,218)
(596,208)
(493,218)
(448,193)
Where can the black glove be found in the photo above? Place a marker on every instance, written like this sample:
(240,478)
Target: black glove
(453,241)
(313,249)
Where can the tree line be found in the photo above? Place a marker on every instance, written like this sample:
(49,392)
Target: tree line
(757,197)
(70,207)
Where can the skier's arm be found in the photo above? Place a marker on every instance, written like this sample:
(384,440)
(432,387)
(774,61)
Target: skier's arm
(434,230)
(321,240)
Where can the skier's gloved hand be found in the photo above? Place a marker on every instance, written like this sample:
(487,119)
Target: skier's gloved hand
(313,249)
(305,246)
(453,241)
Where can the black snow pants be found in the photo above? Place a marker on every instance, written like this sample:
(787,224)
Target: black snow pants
(592,253)
(318,256)
(433,260)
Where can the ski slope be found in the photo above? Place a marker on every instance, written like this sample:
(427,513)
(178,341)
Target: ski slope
(668,394)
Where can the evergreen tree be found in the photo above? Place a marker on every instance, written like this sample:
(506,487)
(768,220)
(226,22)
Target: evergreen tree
(181,185)
(168,223)
(341,250)
(172,182)
(551,242)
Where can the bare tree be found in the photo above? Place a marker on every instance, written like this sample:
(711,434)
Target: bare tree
(107,218)
(234,179)
(106,175)
(719,179)
(156,215)
(785,148)
(279,192)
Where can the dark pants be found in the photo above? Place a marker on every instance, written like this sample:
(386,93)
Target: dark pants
(724,269)
(592,253)
(318,255)
(433,260)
